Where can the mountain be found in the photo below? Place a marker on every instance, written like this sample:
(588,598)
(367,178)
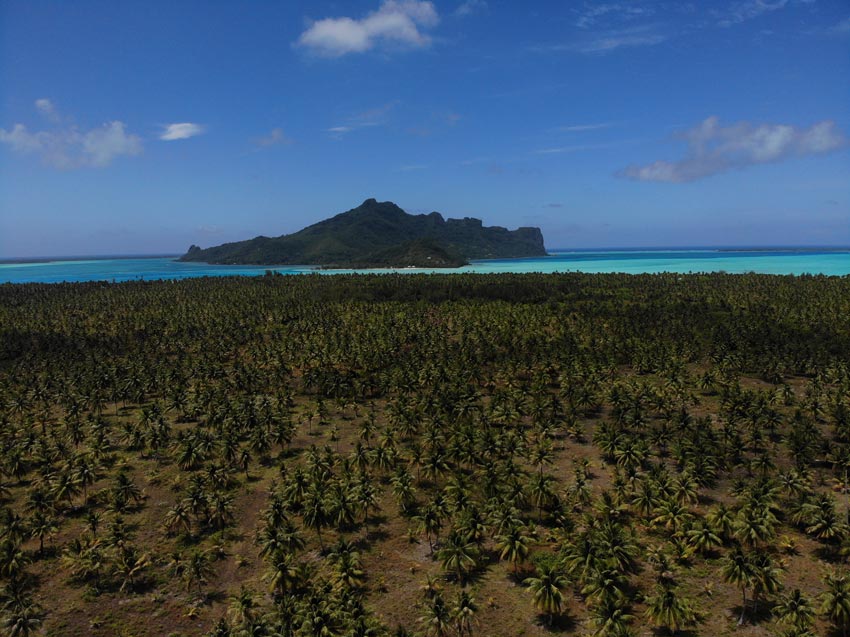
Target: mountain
(380,234)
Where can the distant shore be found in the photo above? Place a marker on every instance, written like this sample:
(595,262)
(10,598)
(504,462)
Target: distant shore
(787,249)
(551,251)
(98,257)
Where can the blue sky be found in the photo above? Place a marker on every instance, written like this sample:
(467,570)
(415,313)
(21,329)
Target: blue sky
(143,127)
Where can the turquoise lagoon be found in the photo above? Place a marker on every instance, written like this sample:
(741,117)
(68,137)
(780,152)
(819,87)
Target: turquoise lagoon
(773,261)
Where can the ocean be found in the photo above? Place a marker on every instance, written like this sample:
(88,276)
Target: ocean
(796,261)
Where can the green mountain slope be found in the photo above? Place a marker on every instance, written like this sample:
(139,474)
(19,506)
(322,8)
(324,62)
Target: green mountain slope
(380,234)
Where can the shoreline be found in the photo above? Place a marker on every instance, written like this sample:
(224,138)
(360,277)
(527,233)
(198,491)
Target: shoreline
(551,252)
(102,257)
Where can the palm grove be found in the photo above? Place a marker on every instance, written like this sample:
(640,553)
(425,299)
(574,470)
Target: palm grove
(414,455)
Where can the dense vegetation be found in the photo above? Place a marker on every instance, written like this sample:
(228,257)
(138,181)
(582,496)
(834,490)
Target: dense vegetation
(413,455)
(377,234)
(420,253)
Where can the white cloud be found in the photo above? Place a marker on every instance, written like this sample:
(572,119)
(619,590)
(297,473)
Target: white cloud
(714,149)
(102,145)
(47,109)
(399,22)
(275,137)
(71,148)
(22,141)
(183,130)
(470,7)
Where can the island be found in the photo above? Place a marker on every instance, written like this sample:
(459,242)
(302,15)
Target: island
(377,235)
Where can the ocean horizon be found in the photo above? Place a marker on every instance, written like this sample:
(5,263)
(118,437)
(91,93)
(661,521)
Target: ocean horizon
(551,251)
(787,260)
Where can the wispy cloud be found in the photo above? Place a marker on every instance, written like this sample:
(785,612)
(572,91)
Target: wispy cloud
(477,160)
(577,148)
(375,115)
(275,137)
(412,167)
(592,13)
(366,119)
(471,7)
(396,22)
(745,10)
(438,120)
(714,149)
(646,35)
(748,9)
(184,130)
(577,128)
(842,28)
(600,42)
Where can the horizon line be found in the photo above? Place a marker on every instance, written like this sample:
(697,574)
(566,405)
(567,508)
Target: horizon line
(162,255)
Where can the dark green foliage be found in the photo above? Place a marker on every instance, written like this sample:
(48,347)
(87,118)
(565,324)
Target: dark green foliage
(379,234)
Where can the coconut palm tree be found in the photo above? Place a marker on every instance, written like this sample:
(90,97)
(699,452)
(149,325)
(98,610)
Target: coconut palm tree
(547,590)
(737,568)
(703,539)
(430,522)
(766,577)
(611,618)
(542,491)
(284,573)
(755,525)
(220,512)
(403,490)
(458,555)
(672,515)
(42,525)
(796,610)
(668,610)
(13,560)
(514,545)
(129,565)
(464,613)
(823,520)
(243,607)
(198,569)
(437,618)
(835,600)
(721,520)
(86,560)
(645,500)
(367,496)
(315,514)
(178,517)
(23,620)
